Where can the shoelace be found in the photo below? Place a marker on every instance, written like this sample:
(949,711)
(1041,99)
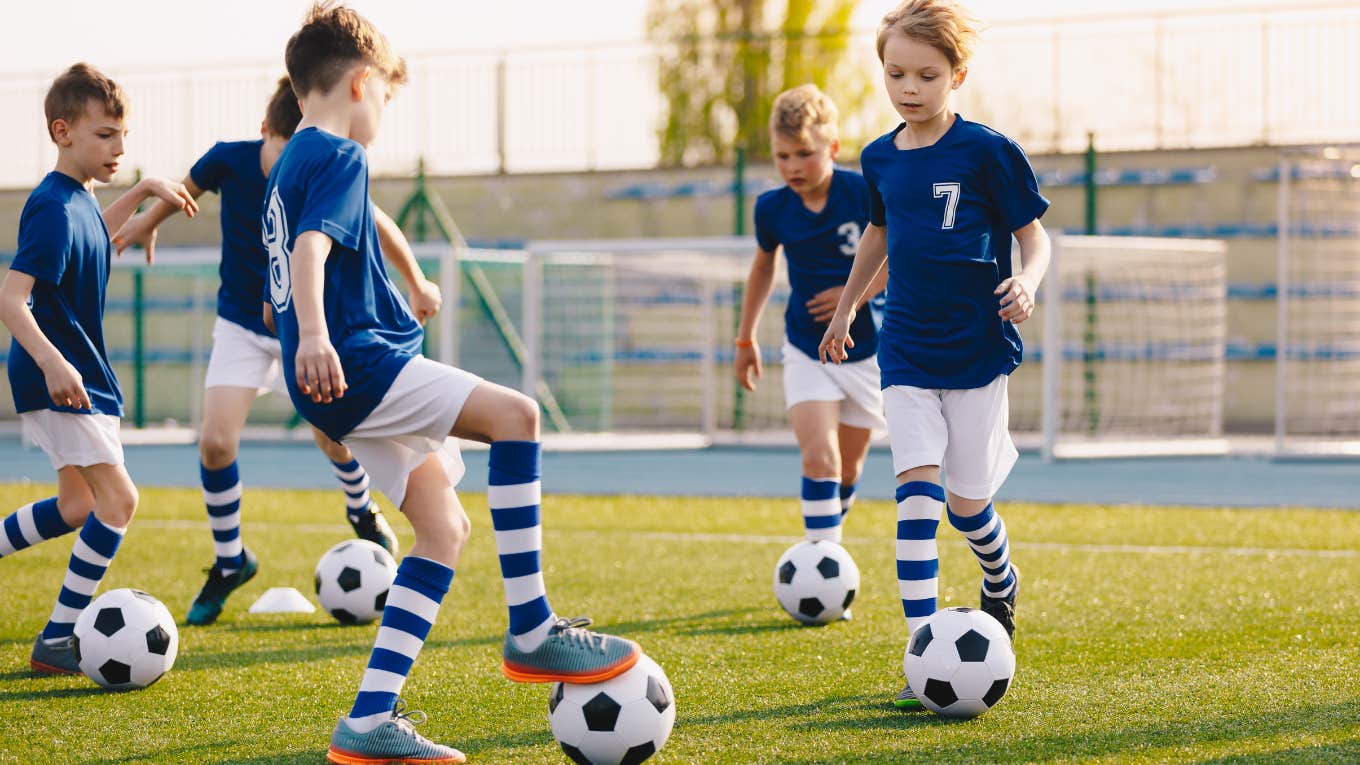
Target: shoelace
(574,630)
(405,720)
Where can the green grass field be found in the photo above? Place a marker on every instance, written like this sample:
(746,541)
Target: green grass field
(1145,635)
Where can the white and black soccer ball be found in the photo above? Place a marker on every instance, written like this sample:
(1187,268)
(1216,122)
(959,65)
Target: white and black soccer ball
(621,721)
(959,662)
(126,639)
(816,581)
(352,580)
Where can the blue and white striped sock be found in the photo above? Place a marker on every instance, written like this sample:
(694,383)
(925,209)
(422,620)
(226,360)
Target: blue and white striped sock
(354,482)
(847,498)
(986,534)
(222,495)
(919,506)
(821,509)
(514,494)
(33,523)
(411,608)
(90,557)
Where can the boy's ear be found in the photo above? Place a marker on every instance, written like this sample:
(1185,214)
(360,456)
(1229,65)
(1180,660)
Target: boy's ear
(61,132)
(960,75)
(835,147)
(264,130)
(357,79)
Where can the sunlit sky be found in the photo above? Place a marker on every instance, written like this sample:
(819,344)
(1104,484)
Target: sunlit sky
(40,38)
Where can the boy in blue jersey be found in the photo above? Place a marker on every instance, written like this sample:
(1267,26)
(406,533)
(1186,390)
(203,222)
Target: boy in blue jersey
(947,196)
(816,218)
(65,391)
(351,351)
(246,359)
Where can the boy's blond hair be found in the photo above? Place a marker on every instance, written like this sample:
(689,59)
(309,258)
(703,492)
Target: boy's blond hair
(76,87)
(333,39)
(942,24)
(802,112)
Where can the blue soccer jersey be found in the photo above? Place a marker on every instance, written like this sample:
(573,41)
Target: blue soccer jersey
(320,183)
(64,246)
(819,248)
(233,170)
(949,209)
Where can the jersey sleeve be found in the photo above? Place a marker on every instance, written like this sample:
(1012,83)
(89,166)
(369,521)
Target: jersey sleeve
(44,242)
(211,169)
(1012,187)
(336,197)
(877,213)
(766,238)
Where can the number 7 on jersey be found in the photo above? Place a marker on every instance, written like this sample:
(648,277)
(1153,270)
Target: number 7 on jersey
(951,192)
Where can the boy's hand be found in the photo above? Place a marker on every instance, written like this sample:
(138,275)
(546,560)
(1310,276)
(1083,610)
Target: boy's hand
(64,385)
(172,192)
(1017,299)
(837,338)
(137,231)
(748,366)
(318,370)
(425,299)
(823,305)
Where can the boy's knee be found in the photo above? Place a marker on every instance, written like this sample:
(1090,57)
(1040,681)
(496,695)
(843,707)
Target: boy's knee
(119,506)
(216,450)
(821,463)
(519,420)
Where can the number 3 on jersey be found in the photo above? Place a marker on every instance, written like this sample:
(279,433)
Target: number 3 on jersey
(275,241)
(849,230)
(951,192)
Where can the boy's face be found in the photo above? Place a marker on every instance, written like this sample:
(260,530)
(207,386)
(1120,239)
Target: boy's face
(370,93)
(918,78)
(805,165)
(93,142)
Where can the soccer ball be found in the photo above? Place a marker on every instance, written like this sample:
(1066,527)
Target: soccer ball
(621,721)
(352,580)
(959,662)
(816,581)
(125,639)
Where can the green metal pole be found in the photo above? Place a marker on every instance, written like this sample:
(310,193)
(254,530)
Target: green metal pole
(739,229)
(1089,335)
(138,349)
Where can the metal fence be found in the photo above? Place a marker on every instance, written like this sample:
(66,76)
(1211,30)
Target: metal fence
(1179,80)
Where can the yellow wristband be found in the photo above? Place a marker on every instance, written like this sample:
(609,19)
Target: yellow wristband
(744,343)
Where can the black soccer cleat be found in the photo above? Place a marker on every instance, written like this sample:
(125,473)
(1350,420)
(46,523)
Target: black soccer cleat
(208,604)
(1003,609)
(370,524)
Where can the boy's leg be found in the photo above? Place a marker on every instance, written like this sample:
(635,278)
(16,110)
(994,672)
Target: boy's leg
(225,409)
(980,456)
(100,536)
(814,424)
(539,647)
(362,513)
(48,518)
(854,443)
(377,726)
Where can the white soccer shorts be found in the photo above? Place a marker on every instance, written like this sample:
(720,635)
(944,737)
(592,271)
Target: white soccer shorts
(965,432)
(854,384)
(81,440)
(242,359)
(411,422)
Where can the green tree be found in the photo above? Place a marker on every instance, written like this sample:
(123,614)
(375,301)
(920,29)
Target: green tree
(722,62)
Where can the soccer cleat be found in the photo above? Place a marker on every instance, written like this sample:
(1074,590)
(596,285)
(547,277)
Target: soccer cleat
(570,654)
(58,659)
(372,525)
(395,741)
(207,605)
(1003,609)
(906,699)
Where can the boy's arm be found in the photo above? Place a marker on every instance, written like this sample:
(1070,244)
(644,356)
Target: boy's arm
(822,306)
(317,364)
(116,215)
(869,259)
(1017,293)
(759,285)
(63,381)
(425,299)
(141,228)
